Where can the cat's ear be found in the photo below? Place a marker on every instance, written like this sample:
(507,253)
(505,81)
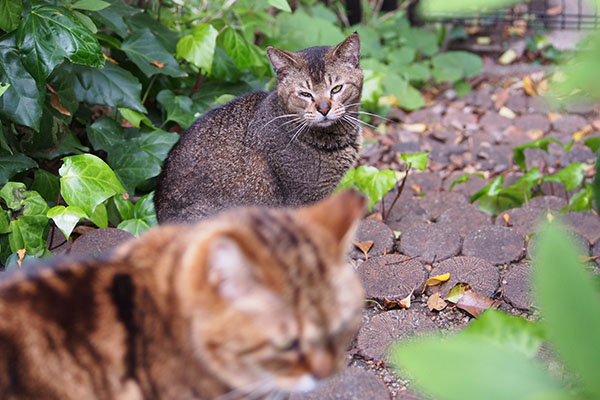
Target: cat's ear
(281,60)
(348,50)
(338,214)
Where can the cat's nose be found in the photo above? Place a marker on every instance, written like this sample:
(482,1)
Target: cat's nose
(323,107)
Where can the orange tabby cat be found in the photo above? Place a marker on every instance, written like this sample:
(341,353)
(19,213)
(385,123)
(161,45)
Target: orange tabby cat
(254,301)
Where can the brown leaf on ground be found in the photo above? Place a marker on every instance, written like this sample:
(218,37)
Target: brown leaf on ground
(416,128)
(402,303)
(375,217)
(475,303)
(416,188)
(552,116)
(585,131)
(435,302)
(158,64)
(507,113)
(556,10)
(364,246)
(501,98)
(528,86)
(535,134)
(506,219)
(21,254)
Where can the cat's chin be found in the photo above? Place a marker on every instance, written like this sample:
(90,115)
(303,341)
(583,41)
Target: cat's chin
(304,383)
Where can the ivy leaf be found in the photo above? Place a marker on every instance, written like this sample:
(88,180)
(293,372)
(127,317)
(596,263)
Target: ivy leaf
(199,47)
(147,52)
(124,207)
(237,48)
(46,184)
(370,181)
(66,218)
(464,178)
(180,109)
(100,216)
(581,200)
(90,5)
(4,221)
(451,66)
(571,176)
(10,13)
(134,226)
(519,151)
(3,88)
(143,20)
(112,86)
(416,160)
(134,117)
(13,164)
(86,181)
(48,34)
(593,143)
(281,5)
(29,232)
(22,101)
(144,209)
(114,16)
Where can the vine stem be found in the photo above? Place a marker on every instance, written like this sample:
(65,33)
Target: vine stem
(400,189)
(148,88)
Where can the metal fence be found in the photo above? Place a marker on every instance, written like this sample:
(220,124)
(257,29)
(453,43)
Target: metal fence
(535,14)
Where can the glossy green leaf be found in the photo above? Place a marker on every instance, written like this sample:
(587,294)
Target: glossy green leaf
(105,134)
(416,160)
(144,20)
(491,189)
(144,209)
(135,117)
(21,201)
(506,199)
(115,16)
(11,164)
(22,101)
(593,143)
(519,151)
(3,88)
(581,200)
(570,176)
(47,185)
(29,232)
(112,86)
(281,4)
(452,66)
(148,53)
(66,218)
(473,367)
(100,216)
(527,181)
(237,48)
(86,181)
(293,34)
(199,47)
(4,221)
(10,13)
(124,207)
(134,226)
(49,34)
(558,269)
(86,21)
(369,181)
(464,178)
(90,5)
(180,109)
(508,330)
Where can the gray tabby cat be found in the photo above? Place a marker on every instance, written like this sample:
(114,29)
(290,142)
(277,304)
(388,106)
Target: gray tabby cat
(286,147)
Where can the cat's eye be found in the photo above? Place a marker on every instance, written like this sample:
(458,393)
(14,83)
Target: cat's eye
(336,89)
(288,345)
(305,94)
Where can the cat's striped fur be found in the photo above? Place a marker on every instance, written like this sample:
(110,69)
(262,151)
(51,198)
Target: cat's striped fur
(252,301)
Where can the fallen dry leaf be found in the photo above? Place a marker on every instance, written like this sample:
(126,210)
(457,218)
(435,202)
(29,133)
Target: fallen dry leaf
(472,30)
(416,128)
(542,87)
(457,292)
(405,302)
(416,188)
(535,134)
(435,302)
(364,246)
(506,218)
(375,217)
(528,86)
(579,135)
(397,234)
(21,254)
(158,64)
(554,10)
(126,123)
(552,116)
(500,98)
(484,40)
(475,303)
(436,280)
(110,59)
(507,113)
(55,103)
(508,57)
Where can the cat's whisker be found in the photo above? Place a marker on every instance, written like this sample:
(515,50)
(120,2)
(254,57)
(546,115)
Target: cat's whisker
(290,121)
(351,118)
(298,133)
(371,114)
(248,390)
(281,116)
(351,104)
